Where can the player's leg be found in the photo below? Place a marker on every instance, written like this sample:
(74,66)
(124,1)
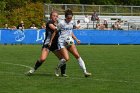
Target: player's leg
(63,71)
(62,68)
(39,62)
(42,58)
(65,55)
(72,49)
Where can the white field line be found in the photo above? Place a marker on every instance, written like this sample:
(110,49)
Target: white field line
(19,65)
(104,80)
(16,65)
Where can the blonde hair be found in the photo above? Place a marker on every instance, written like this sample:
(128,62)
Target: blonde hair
(53,12)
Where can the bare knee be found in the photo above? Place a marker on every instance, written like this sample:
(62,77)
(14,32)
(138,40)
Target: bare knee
(76,56)
(42,59)
(67,58)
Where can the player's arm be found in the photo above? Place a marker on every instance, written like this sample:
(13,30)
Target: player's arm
(75,38)
(53,34)
(76,27)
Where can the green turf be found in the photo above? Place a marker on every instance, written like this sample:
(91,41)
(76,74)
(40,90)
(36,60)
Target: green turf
(115,69)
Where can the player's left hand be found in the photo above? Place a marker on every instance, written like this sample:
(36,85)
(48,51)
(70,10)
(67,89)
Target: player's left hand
(78,42)
(49,45)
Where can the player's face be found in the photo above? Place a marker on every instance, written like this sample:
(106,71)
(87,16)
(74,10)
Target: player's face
(54,16)
(69,18)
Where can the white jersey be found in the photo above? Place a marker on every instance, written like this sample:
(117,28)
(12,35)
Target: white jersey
(65,30)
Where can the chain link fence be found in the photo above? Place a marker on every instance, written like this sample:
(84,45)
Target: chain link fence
(79,9)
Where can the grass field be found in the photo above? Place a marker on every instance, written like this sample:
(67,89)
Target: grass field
(115,69)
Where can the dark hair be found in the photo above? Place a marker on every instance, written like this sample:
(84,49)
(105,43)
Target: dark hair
(78,20)
(68,12)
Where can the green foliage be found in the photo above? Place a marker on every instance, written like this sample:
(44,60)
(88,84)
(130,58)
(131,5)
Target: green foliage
(44,1)
(14,4)
(67,1)
(134,2)
(105,2)
(128,2)
(3,20)
(87,1)
(2,6)
(32,13)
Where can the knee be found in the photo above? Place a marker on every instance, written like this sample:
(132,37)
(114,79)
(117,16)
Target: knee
(77,56)
(66,59)
(42,60)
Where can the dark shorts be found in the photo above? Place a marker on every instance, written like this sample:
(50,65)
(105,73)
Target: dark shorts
(52,48)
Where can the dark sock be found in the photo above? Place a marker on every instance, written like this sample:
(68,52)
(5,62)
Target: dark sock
(37,65)
(63,69)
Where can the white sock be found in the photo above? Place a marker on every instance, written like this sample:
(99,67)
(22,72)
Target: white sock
(82,64)
(61,63)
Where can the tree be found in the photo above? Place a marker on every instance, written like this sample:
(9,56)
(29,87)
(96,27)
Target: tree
(14,4)
(86,1)
(42,1)
(104,2)
(132,2)
(2,6)
(31,13)
(67,1)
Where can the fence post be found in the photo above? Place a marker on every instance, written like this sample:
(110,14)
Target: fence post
(128,26)
(83,10)
(116,10)
(99,10)
(131,10)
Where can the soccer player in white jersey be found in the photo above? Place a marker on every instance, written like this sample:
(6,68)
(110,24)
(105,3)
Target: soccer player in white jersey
(66,26)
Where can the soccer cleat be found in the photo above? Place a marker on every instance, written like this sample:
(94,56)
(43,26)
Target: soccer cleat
(64,75)
(30,72)
(57,72)
(87,74)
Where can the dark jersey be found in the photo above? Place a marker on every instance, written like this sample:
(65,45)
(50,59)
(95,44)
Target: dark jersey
(48,35)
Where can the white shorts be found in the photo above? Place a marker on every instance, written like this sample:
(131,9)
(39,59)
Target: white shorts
(61,42)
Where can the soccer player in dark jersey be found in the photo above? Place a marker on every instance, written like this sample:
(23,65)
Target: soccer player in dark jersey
(50,44)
